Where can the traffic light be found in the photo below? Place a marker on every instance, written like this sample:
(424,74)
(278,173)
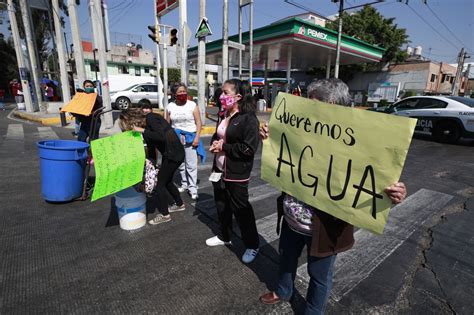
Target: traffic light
(173,37)
(155,34)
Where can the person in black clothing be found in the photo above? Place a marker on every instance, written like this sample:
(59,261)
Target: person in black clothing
(159,135)
(234,145)
(86,121)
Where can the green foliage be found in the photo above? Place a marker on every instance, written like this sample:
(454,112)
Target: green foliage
(192,92)
(409,93)
(174,75)
(372,27)
(8,64)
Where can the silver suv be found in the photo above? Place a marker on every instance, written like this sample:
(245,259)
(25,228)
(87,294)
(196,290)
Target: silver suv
(143,93)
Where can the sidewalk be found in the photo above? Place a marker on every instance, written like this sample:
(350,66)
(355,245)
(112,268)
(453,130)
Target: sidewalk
(50,119)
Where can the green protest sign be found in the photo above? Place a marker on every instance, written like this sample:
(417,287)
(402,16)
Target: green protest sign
(119,161)
(336,159)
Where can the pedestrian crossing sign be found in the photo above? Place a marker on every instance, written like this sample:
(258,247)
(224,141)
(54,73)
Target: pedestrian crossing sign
(203,29)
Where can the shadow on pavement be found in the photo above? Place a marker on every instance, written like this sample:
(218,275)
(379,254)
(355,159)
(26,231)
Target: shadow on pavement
(265,266)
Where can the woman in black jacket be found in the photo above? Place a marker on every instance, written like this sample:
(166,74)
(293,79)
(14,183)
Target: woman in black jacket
(159,135)
(234,145)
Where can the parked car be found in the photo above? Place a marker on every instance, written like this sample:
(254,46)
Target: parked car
(134,95)
(446,118)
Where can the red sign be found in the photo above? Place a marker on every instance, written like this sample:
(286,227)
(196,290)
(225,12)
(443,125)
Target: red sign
(165,6)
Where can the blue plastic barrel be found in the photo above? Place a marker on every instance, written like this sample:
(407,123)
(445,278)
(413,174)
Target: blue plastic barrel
(62,164)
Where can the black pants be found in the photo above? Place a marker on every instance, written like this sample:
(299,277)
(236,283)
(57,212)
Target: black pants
(234,199)
(165,185)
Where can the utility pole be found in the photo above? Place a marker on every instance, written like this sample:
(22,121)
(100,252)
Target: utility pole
(225,41)
(202,64)
(19,57)
(339,34)
(461,57)
(76,41)
(159,83)
(35,78)
(240,39)
(466,79)
(165,74)
(61,53)
(183,21)
(251,44)
(96,17)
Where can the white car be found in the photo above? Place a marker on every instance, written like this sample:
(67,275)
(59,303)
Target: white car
(446,118)
(143,93)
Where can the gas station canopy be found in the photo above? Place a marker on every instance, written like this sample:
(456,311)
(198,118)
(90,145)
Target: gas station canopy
(295,44)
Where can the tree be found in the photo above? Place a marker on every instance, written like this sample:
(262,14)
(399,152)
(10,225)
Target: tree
(41,29)
(370,26)
(8,65)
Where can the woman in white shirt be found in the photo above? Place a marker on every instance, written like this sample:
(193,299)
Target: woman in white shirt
(185,118)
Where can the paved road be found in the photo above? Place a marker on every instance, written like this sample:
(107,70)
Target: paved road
(74,258)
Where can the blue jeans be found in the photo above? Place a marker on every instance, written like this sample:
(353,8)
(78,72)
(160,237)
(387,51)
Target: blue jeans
(320,270)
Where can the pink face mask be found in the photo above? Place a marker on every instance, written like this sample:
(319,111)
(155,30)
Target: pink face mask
(227,101)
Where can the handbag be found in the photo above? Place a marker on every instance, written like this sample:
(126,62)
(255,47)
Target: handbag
(150,177)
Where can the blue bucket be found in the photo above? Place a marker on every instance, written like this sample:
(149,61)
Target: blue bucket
(62,165)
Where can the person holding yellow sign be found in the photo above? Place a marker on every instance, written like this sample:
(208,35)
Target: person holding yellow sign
(324,235)
(86,120)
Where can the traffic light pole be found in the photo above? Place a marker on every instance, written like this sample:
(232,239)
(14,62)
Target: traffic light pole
(96,16)
(202,65)
(183,20)
(159,83)
(225,41)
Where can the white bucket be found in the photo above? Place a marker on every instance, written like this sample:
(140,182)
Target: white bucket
(21,106)
(131,208)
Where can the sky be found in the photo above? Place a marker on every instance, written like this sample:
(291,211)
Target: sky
(440,27)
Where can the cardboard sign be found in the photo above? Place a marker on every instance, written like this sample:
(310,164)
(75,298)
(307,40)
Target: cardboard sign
(336,159)
(119,161)
(81,103)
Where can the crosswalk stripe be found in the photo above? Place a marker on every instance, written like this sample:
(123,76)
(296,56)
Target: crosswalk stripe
(266,226)
(47,133)
(371,250)
(15,132)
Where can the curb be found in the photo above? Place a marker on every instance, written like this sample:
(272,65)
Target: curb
(44,121)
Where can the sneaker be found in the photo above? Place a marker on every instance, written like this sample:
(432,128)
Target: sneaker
(182,189)
(194,196)
(249,255)
(176,208)
(160,219)
(216,241)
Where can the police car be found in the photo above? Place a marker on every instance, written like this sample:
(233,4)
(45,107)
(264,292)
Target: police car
(446,118)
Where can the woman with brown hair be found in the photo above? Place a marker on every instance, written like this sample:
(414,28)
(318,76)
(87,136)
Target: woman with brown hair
(159,135)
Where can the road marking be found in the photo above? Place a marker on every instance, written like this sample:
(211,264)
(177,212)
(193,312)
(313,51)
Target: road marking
(371,250)
(15,132)
(47,133)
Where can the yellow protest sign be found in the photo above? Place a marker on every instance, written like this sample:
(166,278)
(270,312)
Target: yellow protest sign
(81,103)
(118,161)
(336,159)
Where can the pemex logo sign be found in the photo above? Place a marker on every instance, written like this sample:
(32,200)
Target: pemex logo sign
(312,33)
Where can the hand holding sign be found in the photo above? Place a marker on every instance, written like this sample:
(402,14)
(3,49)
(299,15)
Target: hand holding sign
(119,161)
(337,159)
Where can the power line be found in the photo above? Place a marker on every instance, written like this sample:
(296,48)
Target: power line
(432,27)
(441,21)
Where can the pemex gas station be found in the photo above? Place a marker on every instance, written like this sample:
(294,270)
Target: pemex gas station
(291,47)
